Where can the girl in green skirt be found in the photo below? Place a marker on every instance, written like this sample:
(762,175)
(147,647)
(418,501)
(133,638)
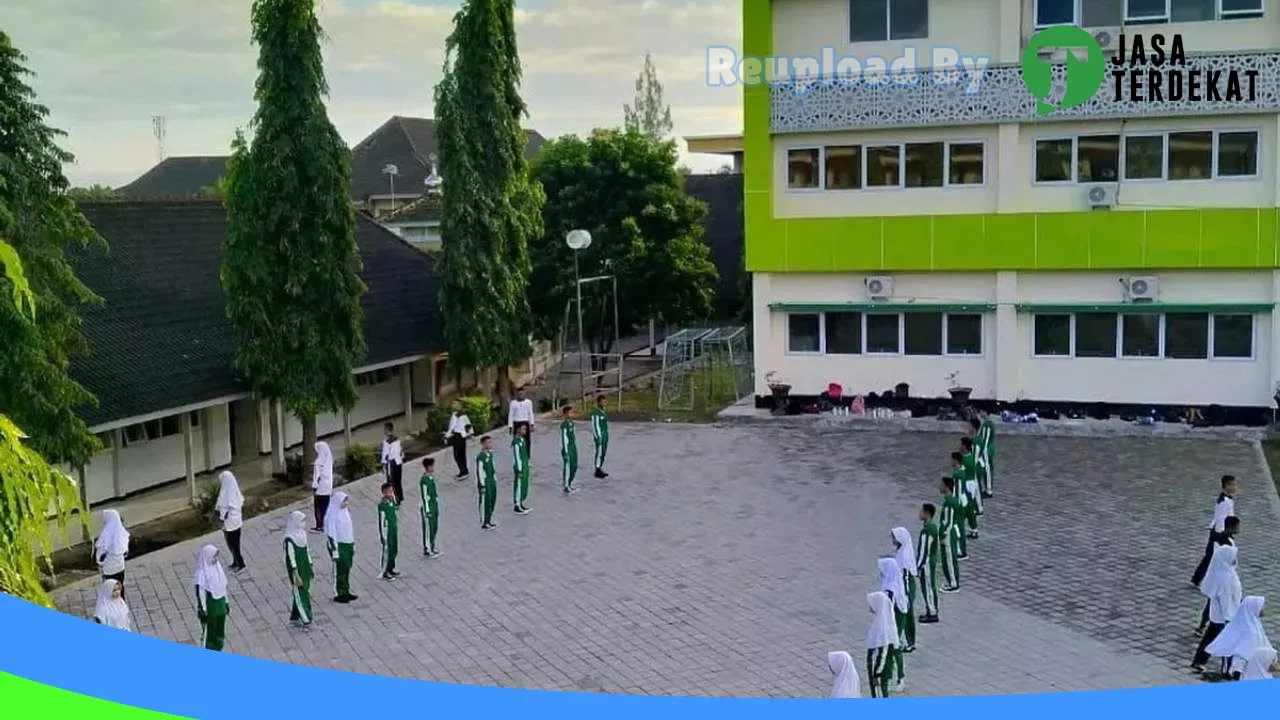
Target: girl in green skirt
(212,606)
(905,554)
(297,564)
(891,584)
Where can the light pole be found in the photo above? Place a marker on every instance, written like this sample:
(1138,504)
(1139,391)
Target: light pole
(433,180)
(391,171)
(579,240)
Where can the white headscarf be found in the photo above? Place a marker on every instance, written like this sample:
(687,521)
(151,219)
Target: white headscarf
(891,582)
(113,539)
(883,630)
(229,496)
(295,528)
(1259,666)
(1222,584)
(906,555)
(1244,635)
(847,684)
(337,522)
(111,611)
(209,575)
(322,476)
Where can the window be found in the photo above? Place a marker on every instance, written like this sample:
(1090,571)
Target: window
(1052,335)
(802,333)
(1237,154)
(1055,12)
(1186,336)
(922,333)
(1140,336)
(844,167)
(1191,10)
(1233,336)
(1190,155)
(135,434)
(195,418)
(1101,13)
(1093,13)
(883,166)
(1054,160)
(152,428)
(171,425)
(802,169)
(844,333)
(925,163)
(1144,157)
(964,334)
(1241,8)
(964,163)
(1095,335)
(881,20)
(1146,11)
(882,334)
(1098,158)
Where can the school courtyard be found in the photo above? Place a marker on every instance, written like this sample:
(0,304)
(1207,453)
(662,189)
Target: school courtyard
(727,560)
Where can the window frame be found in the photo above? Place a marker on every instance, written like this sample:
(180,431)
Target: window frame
(1240,14)
(862,338)
(1035,160)
(1165,156)
(1208,338)
(1071,336)
(1152,20)
(819,173)
(1116,354)
(902,166)
(861,169)
(1035,15)
(946,165)
(1253,337)
(1075,158)
(866,348)
(946,334)
(888,24)
(822,335)
(1257,153)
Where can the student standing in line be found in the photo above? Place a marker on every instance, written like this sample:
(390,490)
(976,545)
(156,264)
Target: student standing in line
(927,562)
(988,435)
(1222,586)
(112,547)
(891,585)
(973,495)
(1223,508)
(568,449)
(882,633)
(457,434)
(340,535)
(230,507)
(520,468)
(847,684)
(951,535)
(1244,643)
(906,556)
(600,433)
(393,462)
(111,609)
(487,486)
(958,478)
(981,461)
(212,605)
(430,507)
(297,565)
(389,531)
(1230,527)
(520,414)
(322,482)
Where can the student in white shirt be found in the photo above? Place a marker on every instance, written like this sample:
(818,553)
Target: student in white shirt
(520,412)
(393,462)
(112,547)
(230,507)
(111,609)
(1224,508)
(457,434)
(322,482)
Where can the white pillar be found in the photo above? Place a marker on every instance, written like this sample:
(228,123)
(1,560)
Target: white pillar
(187,452)
(406,392)
(1007,168)
(1274,360)
(278,440)
(206,437)
(765,344)
(1008,350)
(117,440)
(1011,29)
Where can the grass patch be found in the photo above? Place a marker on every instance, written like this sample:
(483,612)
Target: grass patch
(704,392)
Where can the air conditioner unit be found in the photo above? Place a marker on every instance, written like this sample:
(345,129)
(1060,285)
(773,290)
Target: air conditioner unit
(879,287)
(1108,38)
(1141,288)
(1101,196)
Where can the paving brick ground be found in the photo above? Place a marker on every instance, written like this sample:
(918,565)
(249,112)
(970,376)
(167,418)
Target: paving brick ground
(728,560)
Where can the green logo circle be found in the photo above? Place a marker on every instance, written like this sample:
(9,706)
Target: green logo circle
(1084,77)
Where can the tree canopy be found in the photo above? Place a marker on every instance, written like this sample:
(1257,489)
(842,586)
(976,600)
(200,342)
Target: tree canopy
(622,187)
(94,193)
(649,114)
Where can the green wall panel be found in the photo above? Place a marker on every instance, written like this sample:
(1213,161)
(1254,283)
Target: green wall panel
(1116,239)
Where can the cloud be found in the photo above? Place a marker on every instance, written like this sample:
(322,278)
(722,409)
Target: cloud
(105,68)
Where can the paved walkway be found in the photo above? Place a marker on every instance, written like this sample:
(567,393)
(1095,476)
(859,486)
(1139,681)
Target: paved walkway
(727,560)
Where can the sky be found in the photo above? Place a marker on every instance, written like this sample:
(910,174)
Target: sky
(104,69)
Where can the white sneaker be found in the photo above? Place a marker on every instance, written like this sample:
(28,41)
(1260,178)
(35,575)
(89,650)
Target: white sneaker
(900,686)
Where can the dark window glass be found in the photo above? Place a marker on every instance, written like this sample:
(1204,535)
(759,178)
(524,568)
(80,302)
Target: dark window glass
(170,426)
(844,333)
(1052,335)
(1186,336)
(802,333)
(922,333)
(908,19)
(1191,156)
(964,166)
(1102,13)
(1241,8)
(868,20)
(1053,160)
(1149,10)
(1144,157)
(1098,158)
(1096,335)
(1055,12)
(1140,335)
(924,164)
(883,166)
(844,167)
(1237,154)
(882,334)
(1233,336)
(1191,10)
(964,334)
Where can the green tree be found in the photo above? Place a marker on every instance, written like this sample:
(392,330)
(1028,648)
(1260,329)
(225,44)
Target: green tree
(650,114)
(291,267)
(39,219)
(490,209)
(94,193)
(622,187)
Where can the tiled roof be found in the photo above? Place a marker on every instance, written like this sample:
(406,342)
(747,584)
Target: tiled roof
(161,339)
(177,177)
(723,231)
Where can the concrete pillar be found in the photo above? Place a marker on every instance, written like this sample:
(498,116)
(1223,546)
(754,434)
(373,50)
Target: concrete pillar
(653,338)
(1274,360)
(346,427)
(86,527)
(1012,27)
(1007,168)
(277,437)
(206,437)
(1008,350)
(117,441)
(766,347)
(187,453)
(406,392)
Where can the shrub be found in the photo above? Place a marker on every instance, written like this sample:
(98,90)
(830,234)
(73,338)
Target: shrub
(479,411)
(545,405)
(361,461)
(207,501)
(293,469)
(437,422)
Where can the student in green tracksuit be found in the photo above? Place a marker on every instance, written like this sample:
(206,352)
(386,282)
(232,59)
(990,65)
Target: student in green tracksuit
(297,563)
(980,457)
(430,508)
(568,449)
(340,534)
(389,531)
(958,478)
(950,533)
(905,554)
(988,434)
(212,606)
(487,475)
(600,433)
(882,636)
(520,468)
(927,562)
(972,486)
(891,584)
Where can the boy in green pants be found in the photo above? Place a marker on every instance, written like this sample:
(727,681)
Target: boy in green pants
(927,563)
(488,488)
(958,478)
(568,449)
(388,531)
(972,486)
(430,508)
(600,433)
(950,534)
(520,466)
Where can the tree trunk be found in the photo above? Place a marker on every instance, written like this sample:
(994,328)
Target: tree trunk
(308,447)
(504,385)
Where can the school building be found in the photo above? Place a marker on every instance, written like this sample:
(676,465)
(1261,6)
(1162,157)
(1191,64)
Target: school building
(1119,252)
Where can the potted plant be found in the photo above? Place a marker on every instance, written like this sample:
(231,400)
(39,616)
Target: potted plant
(959,394)
(780,390)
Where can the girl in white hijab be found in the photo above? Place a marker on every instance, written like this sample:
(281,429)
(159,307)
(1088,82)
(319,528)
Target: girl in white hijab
(905,554)
(1244,642)
(1221,585)
(112,547)
(341,536)
(882,636)
(847,684)
(230,507)
(212,605)
(111,609)
(322,481)
(891,583)
(297,560)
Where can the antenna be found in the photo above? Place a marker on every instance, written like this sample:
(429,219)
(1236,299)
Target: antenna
(158,129)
